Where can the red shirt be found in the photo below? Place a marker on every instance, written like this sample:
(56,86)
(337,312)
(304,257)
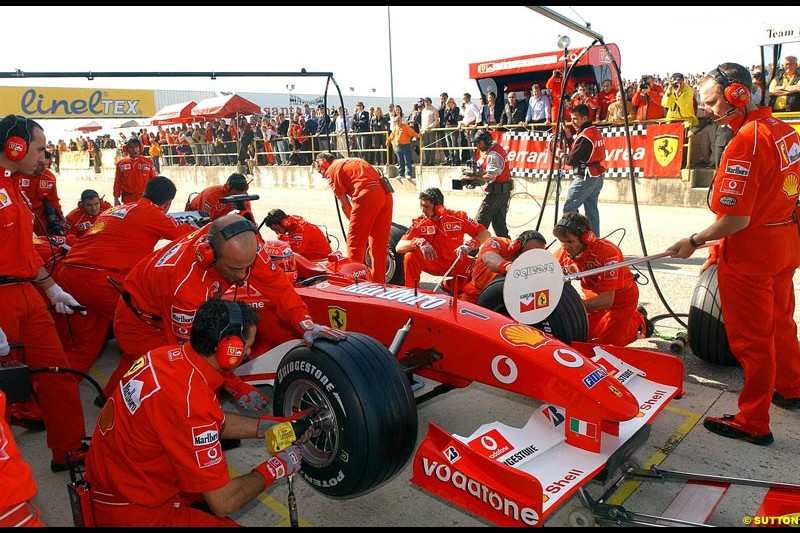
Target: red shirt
(123,235)
(171,284)
(305,238)
(40,188)
(758,177)
(351,175)
(79,221)
(18,257)
(445,233)
(601,253)
(606,98)
(208,200)
(133,174)
(16,477)
(157,438)
(482,276)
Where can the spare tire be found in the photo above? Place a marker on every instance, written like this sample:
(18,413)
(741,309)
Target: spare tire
(568,322)
(707,336)
(366,427)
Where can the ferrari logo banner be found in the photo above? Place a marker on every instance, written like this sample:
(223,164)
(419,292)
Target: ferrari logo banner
(657,151)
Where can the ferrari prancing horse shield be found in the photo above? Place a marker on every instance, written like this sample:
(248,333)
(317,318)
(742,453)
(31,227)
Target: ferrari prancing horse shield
(665,147)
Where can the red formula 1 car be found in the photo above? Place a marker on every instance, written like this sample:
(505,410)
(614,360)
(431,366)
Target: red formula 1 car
(598,402)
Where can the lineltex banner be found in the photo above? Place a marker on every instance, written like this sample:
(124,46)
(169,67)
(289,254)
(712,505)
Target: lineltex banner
(657,151)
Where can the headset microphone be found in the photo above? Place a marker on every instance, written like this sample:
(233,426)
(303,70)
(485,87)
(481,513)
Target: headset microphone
(729,112)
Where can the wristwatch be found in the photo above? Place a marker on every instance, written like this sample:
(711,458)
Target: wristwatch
(694,242)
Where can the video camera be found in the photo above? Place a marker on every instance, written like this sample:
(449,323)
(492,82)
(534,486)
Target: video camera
(468,181)
(643,84)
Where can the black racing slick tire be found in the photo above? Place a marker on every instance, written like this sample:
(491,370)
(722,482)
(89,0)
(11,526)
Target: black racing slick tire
(394,261)
(366,428)
(568,322)
(707,336)
(395,275)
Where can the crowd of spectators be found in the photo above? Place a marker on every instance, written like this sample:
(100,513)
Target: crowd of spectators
(293,139)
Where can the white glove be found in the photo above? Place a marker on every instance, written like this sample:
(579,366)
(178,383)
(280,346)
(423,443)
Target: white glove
(425,247)
(4,347)
(315,331)
(63,301)
(463,249)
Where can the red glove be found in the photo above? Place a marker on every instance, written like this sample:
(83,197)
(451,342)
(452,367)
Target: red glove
(247,396)
(283,464)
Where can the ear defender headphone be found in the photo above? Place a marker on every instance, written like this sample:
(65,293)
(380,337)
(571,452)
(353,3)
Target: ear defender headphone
(586,236)
(437,199)
(230,348)
(204,252)
(18,136)
(735,92)
(277,217)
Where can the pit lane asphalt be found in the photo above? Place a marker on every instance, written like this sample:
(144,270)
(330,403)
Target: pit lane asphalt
(677,441)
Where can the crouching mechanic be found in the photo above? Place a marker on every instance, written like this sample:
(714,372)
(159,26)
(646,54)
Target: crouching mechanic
(156,450)
(81,219)
(162,293)
(610,298)
(494,257)
(435,241)
(208,199)
(305,238)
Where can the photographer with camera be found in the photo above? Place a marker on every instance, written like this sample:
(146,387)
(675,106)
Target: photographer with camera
(490,168)
(678,100)
(555,85)
(647,99)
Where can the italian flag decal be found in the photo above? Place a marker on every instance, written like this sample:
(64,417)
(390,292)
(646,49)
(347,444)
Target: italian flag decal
(583,428)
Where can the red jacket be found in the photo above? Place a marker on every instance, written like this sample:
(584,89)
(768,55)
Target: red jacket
(208,200)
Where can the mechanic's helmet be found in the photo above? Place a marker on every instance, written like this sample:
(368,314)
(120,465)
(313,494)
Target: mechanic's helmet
(482,135)
(282,254)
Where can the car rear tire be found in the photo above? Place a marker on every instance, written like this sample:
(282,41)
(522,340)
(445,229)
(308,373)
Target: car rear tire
(568,322)
(395,274)
(368,427)
(707,336)
(394,261)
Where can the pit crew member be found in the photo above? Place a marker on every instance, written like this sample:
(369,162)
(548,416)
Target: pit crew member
(435,241)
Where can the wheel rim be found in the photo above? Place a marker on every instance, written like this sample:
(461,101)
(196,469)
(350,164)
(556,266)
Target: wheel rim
(321,447)
(391,265)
